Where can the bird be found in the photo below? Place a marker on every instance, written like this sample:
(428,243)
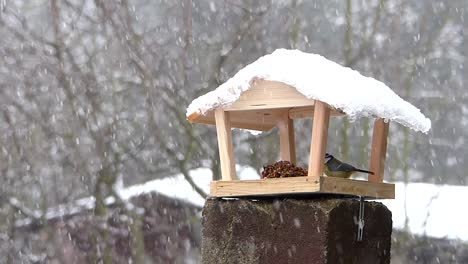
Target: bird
(336,168)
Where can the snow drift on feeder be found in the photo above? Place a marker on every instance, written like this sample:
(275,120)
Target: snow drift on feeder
(320,79)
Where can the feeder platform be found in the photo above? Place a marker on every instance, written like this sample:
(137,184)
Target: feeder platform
(302,185)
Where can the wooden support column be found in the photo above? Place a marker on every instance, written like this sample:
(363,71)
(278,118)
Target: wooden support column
(286,133)
(318,144)
(226,153)
(378,150)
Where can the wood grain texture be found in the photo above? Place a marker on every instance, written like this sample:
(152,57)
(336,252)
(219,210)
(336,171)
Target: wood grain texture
(257,107)
(265,94)
(286,135)
(226,153)
(356,187)
(318,143)
(261,120)
(308,112)
(264,186)
(302,185)
(378,150)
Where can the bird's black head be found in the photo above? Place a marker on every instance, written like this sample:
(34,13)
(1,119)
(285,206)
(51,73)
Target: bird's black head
(328,157)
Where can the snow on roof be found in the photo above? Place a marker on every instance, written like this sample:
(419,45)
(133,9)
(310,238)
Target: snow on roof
(320,79)
(428,206)
(175,187)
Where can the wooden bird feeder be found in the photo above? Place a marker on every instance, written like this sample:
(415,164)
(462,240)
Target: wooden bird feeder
(267,104)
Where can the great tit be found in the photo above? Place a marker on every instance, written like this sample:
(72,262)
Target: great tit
(336,168)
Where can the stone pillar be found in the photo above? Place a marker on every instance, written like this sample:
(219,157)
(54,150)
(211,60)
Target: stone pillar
(319,230)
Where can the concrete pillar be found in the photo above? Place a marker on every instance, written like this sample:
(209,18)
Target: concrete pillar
(319,230)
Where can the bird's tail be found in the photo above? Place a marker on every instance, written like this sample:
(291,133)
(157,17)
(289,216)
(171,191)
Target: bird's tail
(365,171)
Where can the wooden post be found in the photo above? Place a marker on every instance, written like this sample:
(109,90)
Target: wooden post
(226,154)
(286,133)
(379,150)
(318,144)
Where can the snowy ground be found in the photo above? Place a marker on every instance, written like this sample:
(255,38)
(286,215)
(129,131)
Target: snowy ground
(428,207)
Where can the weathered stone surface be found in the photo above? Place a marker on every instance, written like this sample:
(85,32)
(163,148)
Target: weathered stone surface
(294,231)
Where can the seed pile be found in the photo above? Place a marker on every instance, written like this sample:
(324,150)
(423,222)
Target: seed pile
(282,169)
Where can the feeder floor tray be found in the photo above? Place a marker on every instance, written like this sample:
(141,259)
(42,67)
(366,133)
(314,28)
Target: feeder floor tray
(297,185)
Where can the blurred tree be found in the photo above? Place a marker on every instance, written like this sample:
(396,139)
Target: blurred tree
(94,92)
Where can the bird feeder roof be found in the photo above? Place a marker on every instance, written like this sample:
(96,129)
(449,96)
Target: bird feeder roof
(298,79)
